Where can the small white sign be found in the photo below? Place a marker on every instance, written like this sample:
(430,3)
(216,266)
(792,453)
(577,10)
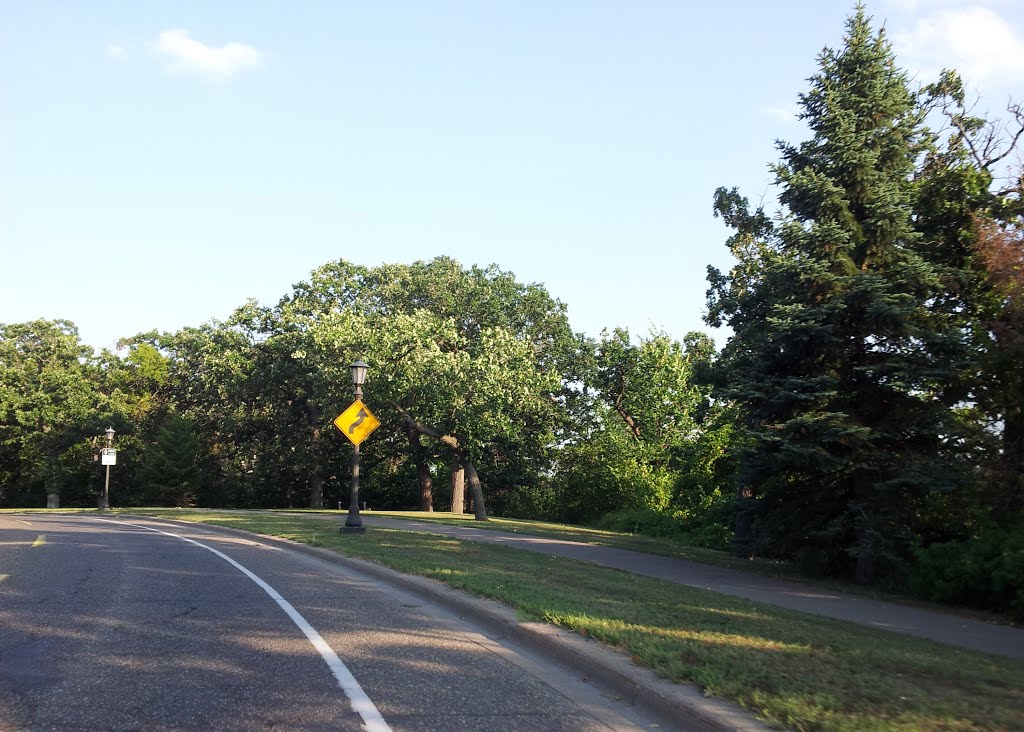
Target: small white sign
(108,456)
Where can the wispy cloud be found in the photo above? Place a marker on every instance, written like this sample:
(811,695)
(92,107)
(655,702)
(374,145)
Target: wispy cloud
(975,40)
(783,112)
(185,54)
(921,6)
(117,51)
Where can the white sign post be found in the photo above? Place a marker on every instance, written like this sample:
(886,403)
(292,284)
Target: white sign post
(108,457)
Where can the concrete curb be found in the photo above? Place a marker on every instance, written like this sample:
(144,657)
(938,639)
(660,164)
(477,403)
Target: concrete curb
(613,668)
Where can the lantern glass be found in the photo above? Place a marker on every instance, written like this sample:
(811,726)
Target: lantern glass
(359,369)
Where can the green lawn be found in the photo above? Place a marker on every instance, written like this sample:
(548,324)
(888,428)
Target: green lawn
(587,535)
(670,548)
(793,670)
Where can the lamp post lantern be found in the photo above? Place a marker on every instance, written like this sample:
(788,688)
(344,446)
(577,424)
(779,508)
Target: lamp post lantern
(353,522)
(105,503)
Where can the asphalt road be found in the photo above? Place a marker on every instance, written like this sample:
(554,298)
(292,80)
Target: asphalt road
(110,625)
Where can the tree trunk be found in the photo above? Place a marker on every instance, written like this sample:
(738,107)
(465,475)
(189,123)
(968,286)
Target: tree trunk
(476,491)
(422,468)
(1013,454)
(743,523)
(316,491)
(462,463)
(426,487)
(865,531)
(316,480)
(458,487)
(864,573)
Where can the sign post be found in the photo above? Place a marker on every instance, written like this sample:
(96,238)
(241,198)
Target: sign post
(356,423)
(109,457)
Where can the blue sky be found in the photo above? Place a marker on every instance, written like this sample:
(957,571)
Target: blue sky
(161,162)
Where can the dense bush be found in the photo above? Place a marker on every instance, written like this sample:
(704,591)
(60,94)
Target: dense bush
(604,473)
(520,502)
(648,522)
(986,571)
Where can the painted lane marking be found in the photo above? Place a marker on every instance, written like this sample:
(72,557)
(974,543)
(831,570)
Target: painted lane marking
(25,522)
(40,540)
(372,719)
(3,577)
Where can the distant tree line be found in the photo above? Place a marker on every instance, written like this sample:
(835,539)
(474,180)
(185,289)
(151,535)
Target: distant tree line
(865,418)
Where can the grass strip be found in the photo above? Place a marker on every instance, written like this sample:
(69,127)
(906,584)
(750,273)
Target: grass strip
(588,535)
(793,670)
(669,548)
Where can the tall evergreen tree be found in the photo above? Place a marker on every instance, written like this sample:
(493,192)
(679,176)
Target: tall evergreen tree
(171,474)
(834,353)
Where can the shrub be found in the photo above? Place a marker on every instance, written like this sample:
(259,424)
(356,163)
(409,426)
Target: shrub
(986,571)
(648,522)
(597,476)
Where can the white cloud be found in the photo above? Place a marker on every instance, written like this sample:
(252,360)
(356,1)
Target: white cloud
(919,6)
(189,55)
(783,112)
(116,51)
(976,41)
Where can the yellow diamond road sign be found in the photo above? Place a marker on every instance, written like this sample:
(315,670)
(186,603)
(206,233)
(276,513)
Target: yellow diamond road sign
(356,422)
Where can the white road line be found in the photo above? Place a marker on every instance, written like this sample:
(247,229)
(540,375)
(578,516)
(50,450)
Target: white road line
(372,719)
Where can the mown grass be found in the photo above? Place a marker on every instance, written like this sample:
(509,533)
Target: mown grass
(677,550)
(793,670)
(588,535)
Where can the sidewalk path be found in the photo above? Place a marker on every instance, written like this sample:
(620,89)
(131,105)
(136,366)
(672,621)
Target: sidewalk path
(943,627)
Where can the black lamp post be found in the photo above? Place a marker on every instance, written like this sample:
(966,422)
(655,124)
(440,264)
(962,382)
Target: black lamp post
(106,483)
(353,523)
